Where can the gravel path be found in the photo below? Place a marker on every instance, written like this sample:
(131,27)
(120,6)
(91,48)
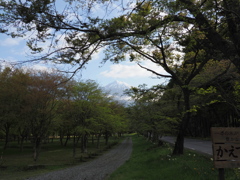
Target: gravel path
(98,169)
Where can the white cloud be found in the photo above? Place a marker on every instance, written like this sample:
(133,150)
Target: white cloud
(123,71)
(131,71)
(40,67)
(10,42)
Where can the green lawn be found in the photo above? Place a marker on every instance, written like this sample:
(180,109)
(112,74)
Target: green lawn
(149,162)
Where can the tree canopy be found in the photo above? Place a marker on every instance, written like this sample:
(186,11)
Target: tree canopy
(74,31)
(36,104)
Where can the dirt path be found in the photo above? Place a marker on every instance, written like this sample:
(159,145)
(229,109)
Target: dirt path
(98,169)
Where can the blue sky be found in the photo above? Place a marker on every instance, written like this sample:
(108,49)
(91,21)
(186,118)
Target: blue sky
(15,49)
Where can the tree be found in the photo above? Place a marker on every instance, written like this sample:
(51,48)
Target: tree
(153,113)
(63,119)
(116,119)
(215,103)
(219,21)
(81,112)
(43,91)
(146,31)
(12,93)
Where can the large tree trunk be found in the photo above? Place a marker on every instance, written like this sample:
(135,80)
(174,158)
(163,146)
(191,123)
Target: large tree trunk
(179,144)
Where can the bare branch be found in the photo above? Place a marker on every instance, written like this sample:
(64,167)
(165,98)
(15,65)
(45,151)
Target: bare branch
(154,72)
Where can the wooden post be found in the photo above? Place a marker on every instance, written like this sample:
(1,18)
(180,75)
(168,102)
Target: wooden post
(221,174)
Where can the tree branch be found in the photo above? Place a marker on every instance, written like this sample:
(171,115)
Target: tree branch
(154,72)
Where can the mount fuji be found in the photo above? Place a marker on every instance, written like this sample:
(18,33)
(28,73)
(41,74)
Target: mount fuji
(116,90)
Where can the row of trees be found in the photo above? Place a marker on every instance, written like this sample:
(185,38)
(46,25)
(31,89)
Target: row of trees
(213,102)
(36,105)
(182,36)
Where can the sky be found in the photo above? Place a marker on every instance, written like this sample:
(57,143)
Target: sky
(15,49)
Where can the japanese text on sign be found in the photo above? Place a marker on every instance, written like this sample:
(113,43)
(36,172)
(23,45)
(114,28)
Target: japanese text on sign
(226,147)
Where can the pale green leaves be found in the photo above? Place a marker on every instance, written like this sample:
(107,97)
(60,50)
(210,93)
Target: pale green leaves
(208,90)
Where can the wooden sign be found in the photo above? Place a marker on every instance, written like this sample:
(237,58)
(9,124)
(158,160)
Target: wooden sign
(226,147)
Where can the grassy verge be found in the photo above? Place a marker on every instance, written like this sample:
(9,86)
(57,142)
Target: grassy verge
(149,162)
(17,165)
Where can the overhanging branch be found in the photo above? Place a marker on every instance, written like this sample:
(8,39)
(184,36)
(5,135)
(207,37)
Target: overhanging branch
(154,72)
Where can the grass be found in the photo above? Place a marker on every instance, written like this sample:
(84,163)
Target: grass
(17,165)
(149,162)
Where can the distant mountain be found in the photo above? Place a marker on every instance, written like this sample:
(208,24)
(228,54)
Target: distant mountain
(117,87)
(116,90)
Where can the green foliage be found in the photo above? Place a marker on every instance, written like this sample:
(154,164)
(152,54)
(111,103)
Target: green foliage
(209,90)
(237,90)
(148,113)
(38,104)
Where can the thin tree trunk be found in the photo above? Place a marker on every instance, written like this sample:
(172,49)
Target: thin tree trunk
(98,140)
(21,143)
(84,143)
(106,137)
(92,138)
(61,136)
(6,138)
(36,148)
(66,141)
(74,146)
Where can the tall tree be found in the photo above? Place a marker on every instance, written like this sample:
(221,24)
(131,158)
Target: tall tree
(12,93)
(155,111)
(43,91)
(80,111)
